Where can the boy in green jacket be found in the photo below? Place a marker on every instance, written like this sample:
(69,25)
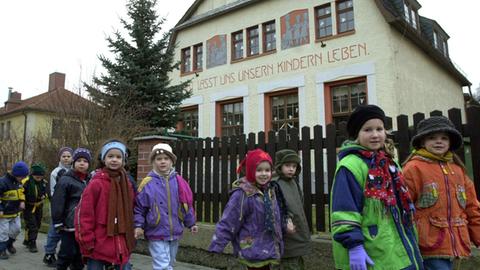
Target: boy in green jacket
(297,236)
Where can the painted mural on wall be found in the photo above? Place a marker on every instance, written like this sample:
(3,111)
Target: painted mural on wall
(217,51)
(294,29)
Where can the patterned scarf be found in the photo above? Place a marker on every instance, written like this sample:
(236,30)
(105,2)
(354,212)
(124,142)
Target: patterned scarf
(267,202)
(448,157)
(384,180)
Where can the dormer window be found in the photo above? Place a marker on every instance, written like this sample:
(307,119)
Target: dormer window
(410,14)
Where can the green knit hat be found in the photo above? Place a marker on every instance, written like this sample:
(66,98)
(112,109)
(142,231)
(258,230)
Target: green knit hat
(287,156)
(38,169)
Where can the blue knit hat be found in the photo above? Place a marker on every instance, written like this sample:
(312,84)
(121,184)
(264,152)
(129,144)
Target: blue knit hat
(82,153)
(20,169)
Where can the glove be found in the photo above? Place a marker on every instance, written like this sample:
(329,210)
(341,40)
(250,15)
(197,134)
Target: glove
(359,258)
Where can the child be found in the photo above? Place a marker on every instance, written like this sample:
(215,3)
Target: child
(104,218)
(251,219)
(448,213)
(164,205)
(297,242)
(53,237)
(65,198)
(35,187)
(371,210)
(12,202)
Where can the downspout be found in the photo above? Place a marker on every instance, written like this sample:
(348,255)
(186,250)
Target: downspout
(24,134)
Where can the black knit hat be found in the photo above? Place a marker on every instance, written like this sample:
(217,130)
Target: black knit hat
(362,114)
(287,156)
(37,169)
(436,124)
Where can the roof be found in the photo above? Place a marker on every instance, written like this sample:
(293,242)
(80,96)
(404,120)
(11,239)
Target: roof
(58,100)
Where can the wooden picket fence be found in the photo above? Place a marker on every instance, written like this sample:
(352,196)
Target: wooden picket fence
(210,164)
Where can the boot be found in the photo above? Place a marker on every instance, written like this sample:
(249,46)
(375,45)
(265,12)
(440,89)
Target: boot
(50,260)
(25,243)
(11,249)
(32,246)
(3,255)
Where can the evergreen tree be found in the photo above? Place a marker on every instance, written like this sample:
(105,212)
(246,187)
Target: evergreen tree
(137,79)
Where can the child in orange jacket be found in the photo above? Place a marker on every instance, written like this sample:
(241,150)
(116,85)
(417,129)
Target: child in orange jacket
(448,212)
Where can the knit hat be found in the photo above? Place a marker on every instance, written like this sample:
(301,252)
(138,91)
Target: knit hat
(113,145)
(20,169)
(65,149)
(436,124)
(82,153)
(251,161)
(287,156)
(362,114)
(37,169)
(162,148)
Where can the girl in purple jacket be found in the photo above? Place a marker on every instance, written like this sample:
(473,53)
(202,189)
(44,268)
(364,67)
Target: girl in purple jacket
(163,207)
(251,219)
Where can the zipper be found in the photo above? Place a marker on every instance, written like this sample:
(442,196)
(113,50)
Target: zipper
(169,204)
(449,210)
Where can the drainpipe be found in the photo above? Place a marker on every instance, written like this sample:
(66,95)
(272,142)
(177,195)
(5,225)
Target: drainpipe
(24,134)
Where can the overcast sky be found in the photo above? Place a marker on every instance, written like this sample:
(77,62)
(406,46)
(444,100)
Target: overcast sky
(41,37)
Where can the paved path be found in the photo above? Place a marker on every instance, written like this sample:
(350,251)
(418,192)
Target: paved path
(24,260)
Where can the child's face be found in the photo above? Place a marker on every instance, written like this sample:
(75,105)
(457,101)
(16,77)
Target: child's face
(114,159)
(37,178)
(372,135)
(289,169)
(66,158)
(162,163)
(81,165)
(437,143)
(263,173)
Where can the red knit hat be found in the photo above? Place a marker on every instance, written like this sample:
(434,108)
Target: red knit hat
(251,161)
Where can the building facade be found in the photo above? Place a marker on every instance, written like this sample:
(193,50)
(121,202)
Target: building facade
(260,65)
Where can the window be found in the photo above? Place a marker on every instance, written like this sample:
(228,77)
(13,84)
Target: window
(253,46)
(186,60)
(414,19)
(231,117)
(57,126)
(2,128)
(445,48)
(344,98)
(284,111)
(323,21)
(406,12)
(7,131)
(188,123)
(435,39)
(345,18)
(269,40)
(237,45)
(198,57)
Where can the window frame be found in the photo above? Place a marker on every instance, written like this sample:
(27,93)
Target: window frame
(181,124)
(233,48)
(265,33)
(195,58)
(182,59)
(2,131)
(57,126)
(338,12)
(249,38)
(318,18)
(219,116)
(268,106)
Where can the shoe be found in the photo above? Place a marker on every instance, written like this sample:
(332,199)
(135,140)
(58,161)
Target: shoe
(3,255)
(50,260)
(25,243)
(11,249)
(32,246)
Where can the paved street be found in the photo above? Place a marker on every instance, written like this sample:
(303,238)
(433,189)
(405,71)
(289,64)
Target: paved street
(24,260)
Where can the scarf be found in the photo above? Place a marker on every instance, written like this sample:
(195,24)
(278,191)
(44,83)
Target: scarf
(385,181)
(120,207)
(448,157)
(268,205)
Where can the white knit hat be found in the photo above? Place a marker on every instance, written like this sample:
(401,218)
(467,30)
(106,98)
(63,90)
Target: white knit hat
(162,148)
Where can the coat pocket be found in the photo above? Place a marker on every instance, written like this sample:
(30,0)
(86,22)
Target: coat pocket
(431,232)
(429,195)
(460,226)
(462,196)
(153,216)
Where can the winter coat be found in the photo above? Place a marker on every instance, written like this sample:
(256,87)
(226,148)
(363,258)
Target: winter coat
(158,209)
(359,220)
(243,224)
(65,198)
(91,223)
(298,243)
(35,192)
(54,176)
(11,194)
(448,213)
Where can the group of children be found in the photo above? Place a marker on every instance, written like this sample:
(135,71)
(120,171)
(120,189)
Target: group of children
(382,217)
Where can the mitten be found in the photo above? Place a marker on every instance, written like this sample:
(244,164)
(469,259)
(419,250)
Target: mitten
(359,258)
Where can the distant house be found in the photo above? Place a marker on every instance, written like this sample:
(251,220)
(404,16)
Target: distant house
(278,64)
(21,121)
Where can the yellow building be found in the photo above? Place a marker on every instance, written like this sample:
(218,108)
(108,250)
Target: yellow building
(21,121)
(276,64)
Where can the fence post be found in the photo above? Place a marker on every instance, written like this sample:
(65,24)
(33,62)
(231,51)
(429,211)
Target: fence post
(436,113)
(224,171)
(455,116)
(208,179)
(216,178)
(402,137)
(473,124)
(200,194)
(306,173)
(319,178)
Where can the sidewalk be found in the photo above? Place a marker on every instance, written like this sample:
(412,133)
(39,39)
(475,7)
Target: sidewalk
(24,260)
